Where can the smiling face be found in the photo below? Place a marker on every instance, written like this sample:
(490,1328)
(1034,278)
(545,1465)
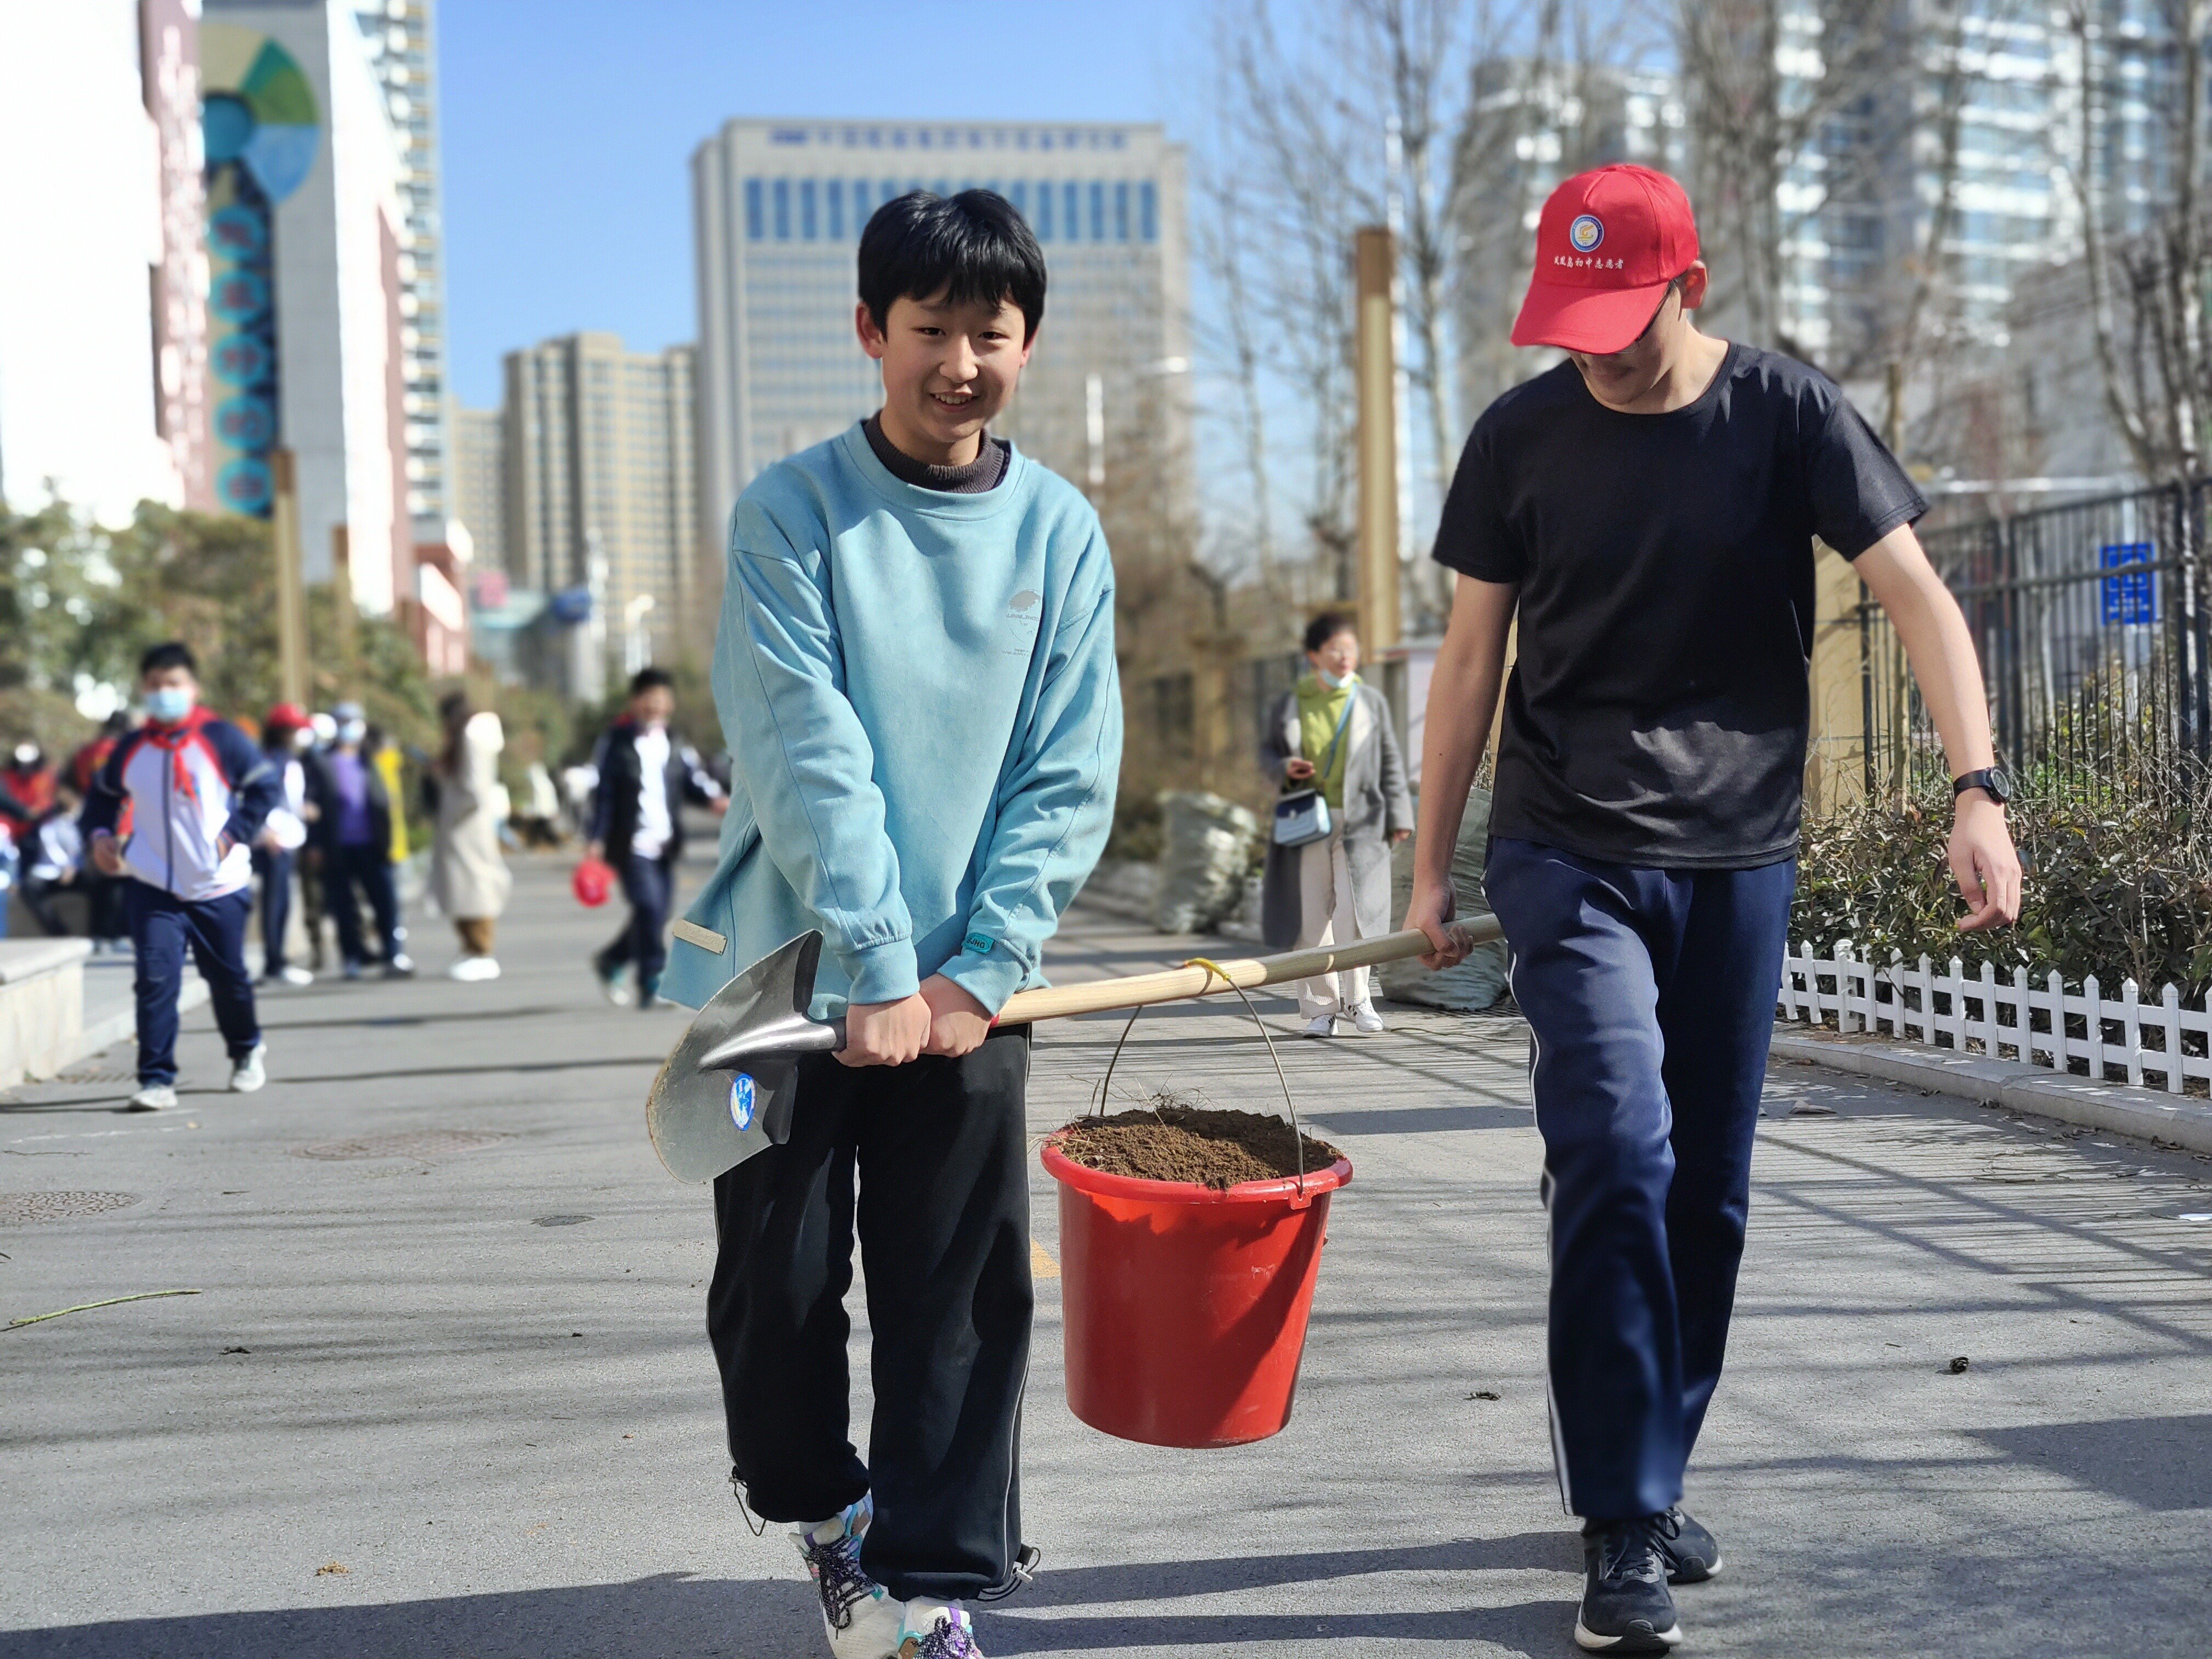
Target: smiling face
(948,369)
(1630,380)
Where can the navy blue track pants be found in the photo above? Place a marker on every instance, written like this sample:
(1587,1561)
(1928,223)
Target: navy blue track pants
(1651,995)
(162,927)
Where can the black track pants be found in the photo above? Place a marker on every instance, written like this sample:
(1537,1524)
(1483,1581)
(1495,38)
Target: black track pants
(943,1220)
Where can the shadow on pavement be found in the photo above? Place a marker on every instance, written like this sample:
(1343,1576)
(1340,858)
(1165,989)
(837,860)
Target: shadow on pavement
(657,1618)
(2158,1462)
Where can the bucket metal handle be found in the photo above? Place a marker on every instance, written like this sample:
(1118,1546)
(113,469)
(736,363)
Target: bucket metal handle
(1215,969)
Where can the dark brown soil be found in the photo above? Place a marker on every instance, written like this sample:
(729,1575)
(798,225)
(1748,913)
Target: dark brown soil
(1172,1140)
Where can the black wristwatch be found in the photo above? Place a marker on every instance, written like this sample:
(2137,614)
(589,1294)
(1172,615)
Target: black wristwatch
(1994,778)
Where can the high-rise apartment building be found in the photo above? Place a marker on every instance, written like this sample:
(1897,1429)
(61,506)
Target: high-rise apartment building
(401,39)
(479,481)
(777,210)
(597,444)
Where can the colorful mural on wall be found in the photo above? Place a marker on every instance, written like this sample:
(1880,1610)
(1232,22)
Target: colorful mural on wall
(261,128)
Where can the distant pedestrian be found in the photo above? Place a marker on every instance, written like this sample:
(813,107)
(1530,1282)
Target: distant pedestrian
(1332,735)
(352,831)
(27,791)
(637,826)
(199,792)
(103,893)
(285,738)
(468,877)
(53,861)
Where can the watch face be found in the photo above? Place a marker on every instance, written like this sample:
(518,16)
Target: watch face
(2000,784)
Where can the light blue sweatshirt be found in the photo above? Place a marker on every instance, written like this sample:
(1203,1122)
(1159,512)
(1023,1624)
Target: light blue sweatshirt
(920,700)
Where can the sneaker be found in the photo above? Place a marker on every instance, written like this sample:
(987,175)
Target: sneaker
(858,1613)
(611,983)
(470,970)
(1692,1554)
(1321,1025)
(937,1630)
(291,975)
(154,1098)
(400,967)
(352,970)
(248,1074)
(1626,1606)
(1366,1021)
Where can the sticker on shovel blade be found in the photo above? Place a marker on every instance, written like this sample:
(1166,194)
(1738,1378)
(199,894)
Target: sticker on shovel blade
(741,1101)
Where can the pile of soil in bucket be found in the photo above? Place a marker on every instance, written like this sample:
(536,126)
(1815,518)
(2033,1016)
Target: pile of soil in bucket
(1171,1139)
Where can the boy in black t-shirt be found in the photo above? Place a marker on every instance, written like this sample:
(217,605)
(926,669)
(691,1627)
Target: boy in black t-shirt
(1648,509)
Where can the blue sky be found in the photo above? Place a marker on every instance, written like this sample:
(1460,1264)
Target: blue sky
(568,128)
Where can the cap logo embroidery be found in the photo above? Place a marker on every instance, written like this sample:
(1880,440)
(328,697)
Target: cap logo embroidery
(1586,232)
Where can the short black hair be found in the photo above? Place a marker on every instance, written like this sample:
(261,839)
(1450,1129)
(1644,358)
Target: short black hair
(170,653)
(1328,625)
(969,247)
(647,679)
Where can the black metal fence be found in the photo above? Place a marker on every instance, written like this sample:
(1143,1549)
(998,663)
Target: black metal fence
(2091,619)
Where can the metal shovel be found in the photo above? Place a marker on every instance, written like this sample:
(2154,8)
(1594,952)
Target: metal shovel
(725,1091)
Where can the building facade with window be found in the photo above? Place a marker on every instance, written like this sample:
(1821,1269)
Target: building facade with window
(400,37)
(777,210)
(597,447)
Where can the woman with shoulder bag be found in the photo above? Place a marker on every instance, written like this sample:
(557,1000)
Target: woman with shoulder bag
(1329,744)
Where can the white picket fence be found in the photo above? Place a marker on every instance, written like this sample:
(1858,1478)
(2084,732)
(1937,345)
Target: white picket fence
(2004,1018)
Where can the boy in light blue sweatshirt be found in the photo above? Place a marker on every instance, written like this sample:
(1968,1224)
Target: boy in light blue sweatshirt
(915,674)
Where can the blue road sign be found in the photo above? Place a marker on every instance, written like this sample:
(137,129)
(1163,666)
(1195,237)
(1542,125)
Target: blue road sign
(2129,600)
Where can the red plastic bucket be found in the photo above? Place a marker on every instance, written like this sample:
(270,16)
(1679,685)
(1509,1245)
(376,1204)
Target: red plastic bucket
(1185,1307)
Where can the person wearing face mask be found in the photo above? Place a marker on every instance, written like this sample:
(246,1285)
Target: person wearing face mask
(285,736)
(637,825)
(199,792)
(352,831)
(1332,734)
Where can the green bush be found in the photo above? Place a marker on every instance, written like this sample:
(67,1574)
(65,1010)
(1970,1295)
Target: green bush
(2119,886)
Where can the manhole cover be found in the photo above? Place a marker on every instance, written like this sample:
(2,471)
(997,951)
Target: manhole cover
(558,1220)
(16,1208)
(421,1143)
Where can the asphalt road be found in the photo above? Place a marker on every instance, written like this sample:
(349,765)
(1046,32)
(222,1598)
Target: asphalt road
(445,1389)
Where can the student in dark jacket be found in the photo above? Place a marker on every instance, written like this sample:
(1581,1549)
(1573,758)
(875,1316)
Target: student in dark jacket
(646,775)
(352,830)
(199,792)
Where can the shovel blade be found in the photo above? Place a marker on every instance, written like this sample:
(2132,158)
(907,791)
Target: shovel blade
(725,1092)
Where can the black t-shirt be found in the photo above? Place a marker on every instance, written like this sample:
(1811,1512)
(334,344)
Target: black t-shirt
(1656,714)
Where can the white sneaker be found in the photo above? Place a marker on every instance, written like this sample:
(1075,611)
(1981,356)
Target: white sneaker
(1321,1025)
(862,1620)
(1366,1021)
(937,1630)
(248,1074)
(292,974)
(154,1098)
(613,985)
(471,970)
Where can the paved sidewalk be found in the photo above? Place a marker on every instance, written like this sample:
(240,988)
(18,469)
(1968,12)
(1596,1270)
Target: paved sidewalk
(473,1375)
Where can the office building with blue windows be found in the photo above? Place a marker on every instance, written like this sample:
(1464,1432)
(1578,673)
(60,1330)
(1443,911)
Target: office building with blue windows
(777,210)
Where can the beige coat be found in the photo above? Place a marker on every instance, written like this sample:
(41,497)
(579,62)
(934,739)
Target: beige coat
(468,877)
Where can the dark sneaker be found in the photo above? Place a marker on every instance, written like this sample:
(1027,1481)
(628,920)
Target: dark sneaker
(1692,1555)
(1625,1605)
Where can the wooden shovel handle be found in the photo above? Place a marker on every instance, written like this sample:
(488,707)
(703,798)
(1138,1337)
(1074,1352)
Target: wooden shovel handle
(1174,984)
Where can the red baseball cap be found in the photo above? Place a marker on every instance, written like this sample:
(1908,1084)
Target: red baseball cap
(1608,243)
(286,717)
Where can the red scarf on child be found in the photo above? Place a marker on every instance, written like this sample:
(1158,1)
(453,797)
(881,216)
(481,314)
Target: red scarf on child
(173,739)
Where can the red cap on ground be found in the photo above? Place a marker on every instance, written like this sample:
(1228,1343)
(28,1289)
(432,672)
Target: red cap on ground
(285,717)
(1608,243)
